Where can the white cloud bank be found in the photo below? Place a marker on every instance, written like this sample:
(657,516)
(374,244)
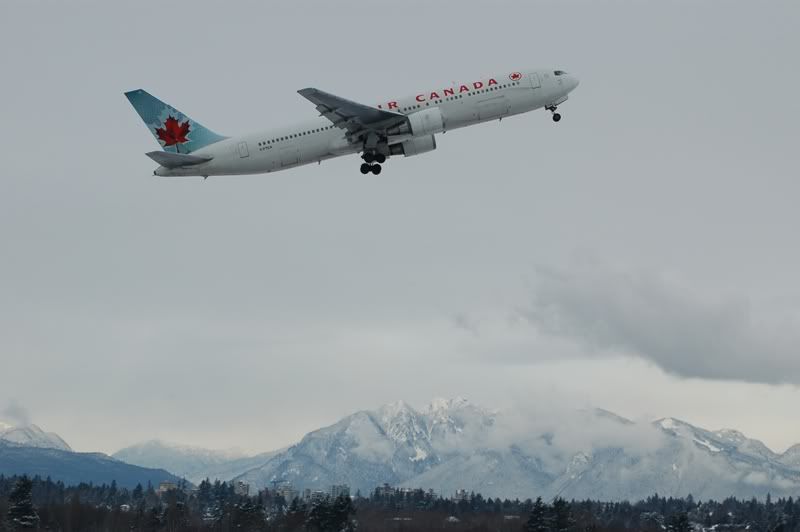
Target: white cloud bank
(652,317)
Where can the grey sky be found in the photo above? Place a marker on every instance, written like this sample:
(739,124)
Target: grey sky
(246,311)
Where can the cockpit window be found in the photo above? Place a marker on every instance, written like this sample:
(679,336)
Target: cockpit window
(559,72)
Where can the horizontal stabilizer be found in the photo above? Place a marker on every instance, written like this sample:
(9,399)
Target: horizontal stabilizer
(174,160)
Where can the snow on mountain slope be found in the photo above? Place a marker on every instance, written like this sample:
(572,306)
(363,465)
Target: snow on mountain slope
(452,444)
(192,463)
(32,436)
(791,457)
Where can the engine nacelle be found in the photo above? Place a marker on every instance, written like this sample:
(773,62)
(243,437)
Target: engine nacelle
(421,123)
(413,146)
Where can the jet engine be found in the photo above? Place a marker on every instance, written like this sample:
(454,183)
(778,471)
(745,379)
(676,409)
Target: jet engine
(413,146)
(421,123)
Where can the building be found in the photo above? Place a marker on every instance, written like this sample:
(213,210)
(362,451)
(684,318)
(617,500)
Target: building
(285,489)
(384,491)
(461,495)
(339,490)
(318,496)
(241,488)
(166,486)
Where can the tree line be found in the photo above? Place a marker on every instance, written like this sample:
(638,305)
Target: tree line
(42,504)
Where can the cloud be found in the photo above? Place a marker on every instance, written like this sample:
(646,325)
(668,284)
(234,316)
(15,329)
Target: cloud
(668,324)
(550,428)
(16,413)
(466,323)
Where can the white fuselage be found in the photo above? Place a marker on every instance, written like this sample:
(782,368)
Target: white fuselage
(461,105)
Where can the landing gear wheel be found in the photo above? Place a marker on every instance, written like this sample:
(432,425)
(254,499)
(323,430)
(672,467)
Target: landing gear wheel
(376,169)
(368,157)
(365,168)
(380,158)
(556,117)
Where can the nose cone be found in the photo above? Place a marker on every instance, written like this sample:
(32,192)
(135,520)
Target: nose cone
(572,82)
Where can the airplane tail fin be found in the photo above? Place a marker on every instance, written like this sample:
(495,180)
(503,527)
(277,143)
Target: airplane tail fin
(174,131)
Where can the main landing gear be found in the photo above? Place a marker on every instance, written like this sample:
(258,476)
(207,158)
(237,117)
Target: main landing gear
(370,158)
(556,116)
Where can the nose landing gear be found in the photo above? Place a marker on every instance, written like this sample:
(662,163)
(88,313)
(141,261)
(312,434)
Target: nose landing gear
(556,116)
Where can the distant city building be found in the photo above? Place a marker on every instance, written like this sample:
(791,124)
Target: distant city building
(339,490)
(318,495)
(285,489)
(461,495)
(241,488)
(166,486)
(384,491)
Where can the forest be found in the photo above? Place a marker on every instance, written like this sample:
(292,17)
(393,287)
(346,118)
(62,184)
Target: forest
(42,504)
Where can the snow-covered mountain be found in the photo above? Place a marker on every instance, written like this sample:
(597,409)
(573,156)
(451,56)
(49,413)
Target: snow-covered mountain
(31,436)
(366,449)
(452,444)
(192,463)
(791,457)
(27,449)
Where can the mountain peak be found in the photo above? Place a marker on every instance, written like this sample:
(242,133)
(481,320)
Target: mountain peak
(667,423)
(672,424)
(439,404)
(793,450)
(32,436)
(401,422)
(607,414)
(159,445)
(396,409)
(731,435)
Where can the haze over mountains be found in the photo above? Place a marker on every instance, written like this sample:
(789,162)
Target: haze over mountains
(190,462)
(453,444)
(27,449)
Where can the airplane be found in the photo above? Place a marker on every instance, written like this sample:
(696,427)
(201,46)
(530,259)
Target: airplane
(405,126)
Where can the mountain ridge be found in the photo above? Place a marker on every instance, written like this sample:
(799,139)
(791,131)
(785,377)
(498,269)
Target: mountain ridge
(453,444)
(73,468)
(32,435)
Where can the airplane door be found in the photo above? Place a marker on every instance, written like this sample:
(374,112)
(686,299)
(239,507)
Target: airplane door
(534,79)
(243,150)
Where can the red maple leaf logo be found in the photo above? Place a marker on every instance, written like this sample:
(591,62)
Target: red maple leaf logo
(514,76)
(173,133)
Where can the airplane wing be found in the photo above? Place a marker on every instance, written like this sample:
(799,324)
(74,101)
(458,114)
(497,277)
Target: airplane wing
(356,118)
